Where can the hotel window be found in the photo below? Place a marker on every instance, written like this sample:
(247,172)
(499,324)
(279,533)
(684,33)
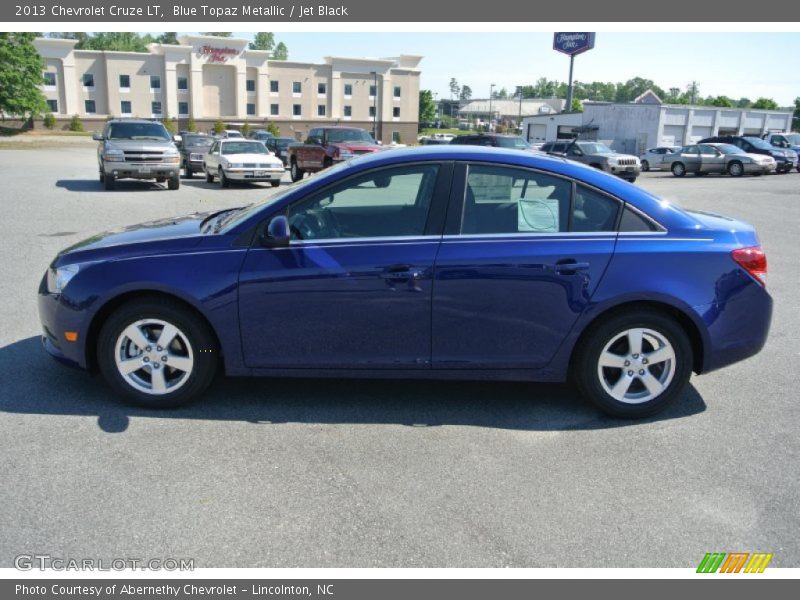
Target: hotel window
(89,107)
(348,110)
(155,83)
(183,109)
(125,107)
(273,87)
(297,110)
(155,108)
(372,90)
(397,91)
(52,106)
(322,89)
(320,110)
(88,80)
(251,85)
(274,109)
(396,112)
(124,82)
(371,111)
(183,84)
(348,89)
(297,87)
(251,108)
(49,79)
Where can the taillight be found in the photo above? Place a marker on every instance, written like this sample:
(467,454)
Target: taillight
(753,260)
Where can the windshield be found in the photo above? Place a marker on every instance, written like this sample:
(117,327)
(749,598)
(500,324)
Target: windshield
(594,148)
(197,140)
(794,138)
(513,142)
(243,148)
(759,143)
(283,142)
(730,149)
(349,135)
(138,131)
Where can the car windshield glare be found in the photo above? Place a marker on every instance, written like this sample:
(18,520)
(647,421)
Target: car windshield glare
(513,142)
(793,138)
(349,135)
(595,148)
(197,140)
(138,131)
(244,148)
(730,149)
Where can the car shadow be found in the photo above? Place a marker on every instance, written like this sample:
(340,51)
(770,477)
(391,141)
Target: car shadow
(200,182)
(123,185)
(45,388)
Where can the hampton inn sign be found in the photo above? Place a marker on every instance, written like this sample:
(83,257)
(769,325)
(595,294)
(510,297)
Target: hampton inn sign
(218,55)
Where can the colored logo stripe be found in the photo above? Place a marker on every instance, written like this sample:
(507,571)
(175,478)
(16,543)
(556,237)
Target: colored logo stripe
(734,563)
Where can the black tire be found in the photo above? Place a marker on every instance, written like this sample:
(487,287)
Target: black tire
(187,171)
(735,168)
(645,166)
(108,182)
(223,181)
(174,182)
(587,355)
(678,169)
(102,177)
(275,183)
(295,172)
(327,163)
(630,179)
(200,337)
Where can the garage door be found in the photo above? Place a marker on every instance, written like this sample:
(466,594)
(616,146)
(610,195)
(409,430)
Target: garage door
(700,132)
(537,132)
(673,135)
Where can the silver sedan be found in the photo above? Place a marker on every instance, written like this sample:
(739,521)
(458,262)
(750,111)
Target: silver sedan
(702,159)
(655,158)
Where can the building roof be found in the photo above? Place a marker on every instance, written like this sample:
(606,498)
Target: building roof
(511,107)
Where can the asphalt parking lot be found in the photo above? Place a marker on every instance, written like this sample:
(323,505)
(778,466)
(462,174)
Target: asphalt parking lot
(280,473)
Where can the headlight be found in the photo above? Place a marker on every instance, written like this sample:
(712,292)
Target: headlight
(236,165)
(57,279)
(194,156)
(172,159)
(612,160)
(113,156)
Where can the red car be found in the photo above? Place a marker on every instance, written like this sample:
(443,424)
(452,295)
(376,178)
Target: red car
(326,146)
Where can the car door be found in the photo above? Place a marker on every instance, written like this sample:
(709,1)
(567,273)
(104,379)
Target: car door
(353,289)
(711,159)
(690,157)
(212,158)
(522,254)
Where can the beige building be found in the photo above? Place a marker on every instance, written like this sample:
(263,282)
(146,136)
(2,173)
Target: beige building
(209,78)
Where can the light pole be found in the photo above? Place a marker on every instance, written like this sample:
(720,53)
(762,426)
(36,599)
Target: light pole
(519,117)
(491,93)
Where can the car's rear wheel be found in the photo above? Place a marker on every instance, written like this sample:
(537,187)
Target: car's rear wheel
(645,166)
(157,353)
(634,364)
(295,172)
(735,169)
(678,169)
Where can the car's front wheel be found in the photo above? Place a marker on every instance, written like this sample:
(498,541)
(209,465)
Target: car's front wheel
(223,180)
(678,169)
(645,166)
(295,172)
(209,176)
(157,353)
(187,170)
(634,364)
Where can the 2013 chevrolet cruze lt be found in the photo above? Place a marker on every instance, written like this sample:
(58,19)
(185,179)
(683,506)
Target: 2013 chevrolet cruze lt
(440,262)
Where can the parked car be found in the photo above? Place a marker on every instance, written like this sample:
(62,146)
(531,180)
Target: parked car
(137,149)
(326,146)
(597,155)
(496,140)
(785,159)
(278,146)
(261,135)
(429,141)
(656,158)
(785,140)
(456,262)
(193,148)
(702,159)
(230,133)
(233,160)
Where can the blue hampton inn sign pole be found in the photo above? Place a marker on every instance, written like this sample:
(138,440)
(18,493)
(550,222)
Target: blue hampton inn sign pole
(572,43)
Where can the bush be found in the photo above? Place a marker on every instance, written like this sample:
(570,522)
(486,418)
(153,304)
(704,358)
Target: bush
(219,127)
(49,121)
(274,129)
(169,125)
(75,123)
(246,129)
(191,125)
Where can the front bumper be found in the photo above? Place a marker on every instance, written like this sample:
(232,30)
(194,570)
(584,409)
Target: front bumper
(624,171)
(271,174)
(57,318)
(755,168)
(127,170)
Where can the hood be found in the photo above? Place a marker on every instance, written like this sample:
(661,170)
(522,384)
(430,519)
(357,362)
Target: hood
(757,157)
(359,147)
(251,158)
(178,228)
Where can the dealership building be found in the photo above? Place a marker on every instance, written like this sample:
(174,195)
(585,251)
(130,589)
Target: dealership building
(647,122)
(209,78)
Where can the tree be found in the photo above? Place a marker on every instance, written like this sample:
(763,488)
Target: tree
(263,41)
(20,76)
(219,126)
(577,105)
(765,104)
(744,103)
(169,37)
(455,90)
(281,52)
(722,101)
(75,123)
(191,125)
(692,93)
(427,107)
(796,117)
(246,129)
(674,94)
(225,34)
(274,129)
(544,88)
(466,93)
(169,124)
(502,94)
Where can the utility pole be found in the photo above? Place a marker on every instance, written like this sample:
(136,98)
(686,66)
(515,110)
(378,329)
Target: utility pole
(491,93)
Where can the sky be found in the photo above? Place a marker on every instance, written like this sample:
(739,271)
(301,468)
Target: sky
(730,64)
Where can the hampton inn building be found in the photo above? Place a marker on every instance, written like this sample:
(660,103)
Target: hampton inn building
(209,78)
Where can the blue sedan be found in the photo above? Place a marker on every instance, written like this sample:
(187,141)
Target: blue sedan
(449,262)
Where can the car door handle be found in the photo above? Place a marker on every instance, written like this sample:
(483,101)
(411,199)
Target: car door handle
(402,273)
(570,266)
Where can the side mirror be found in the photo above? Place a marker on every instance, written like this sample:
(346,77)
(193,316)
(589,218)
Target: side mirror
(97,136)
(277,233)
(315,140)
